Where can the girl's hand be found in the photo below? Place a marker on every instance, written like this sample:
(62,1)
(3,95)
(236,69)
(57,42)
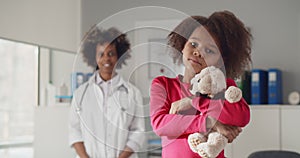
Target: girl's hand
(181,105)
(230,132)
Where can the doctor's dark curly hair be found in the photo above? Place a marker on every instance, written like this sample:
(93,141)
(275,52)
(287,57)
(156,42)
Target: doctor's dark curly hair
(230,34)
(100,36)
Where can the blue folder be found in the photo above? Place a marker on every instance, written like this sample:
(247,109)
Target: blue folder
(77,79)
(274,86)
(244,83)
(259,86)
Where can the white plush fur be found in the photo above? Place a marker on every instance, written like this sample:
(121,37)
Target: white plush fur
(211,81)
(216,142)
(233,94)
(194,140)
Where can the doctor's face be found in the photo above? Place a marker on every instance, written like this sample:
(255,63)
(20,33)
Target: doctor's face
(107,58)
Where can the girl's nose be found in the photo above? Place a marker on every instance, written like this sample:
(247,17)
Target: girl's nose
(196,53)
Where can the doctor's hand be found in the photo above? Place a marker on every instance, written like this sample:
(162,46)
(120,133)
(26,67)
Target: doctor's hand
(126,153)
(181,105)
(80,150)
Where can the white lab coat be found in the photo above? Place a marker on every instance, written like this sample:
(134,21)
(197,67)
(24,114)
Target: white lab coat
(105,131)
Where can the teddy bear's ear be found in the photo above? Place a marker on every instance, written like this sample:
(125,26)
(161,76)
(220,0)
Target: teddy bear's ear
(193,89)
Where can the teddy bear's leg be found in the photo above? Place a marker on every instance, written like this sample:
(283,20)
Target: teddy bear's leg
(214,145)
(202,152)
(194,140)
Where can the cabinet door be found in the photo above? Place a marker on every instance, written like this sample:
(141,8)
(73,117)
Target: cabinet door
(290,128)
(51,132)
(262,133)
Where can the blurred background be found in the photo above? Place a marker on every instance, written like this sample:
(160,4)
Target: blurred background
(39,40)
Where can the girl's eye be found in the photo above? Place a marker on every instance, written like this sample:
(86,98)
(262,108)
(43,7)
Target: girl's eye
(194,44)
(111,54)
(209,51)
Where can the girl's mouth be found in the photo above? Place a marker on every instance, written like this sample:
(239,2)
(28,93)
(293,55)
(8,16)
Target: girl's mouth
(195,61)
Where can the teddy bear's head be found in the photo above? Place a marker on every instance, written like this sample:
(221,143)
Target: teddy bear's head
(210,81)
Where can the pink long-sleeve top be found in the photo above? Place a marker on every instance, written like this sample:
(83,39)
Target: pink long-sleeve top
(175,128)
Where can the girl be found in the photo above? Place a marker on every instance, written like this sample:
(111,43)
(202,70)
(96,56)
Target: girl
(220,40)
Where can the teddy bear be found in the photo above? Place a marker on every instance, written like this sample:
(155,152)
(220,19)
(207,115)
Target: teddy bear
(211,82)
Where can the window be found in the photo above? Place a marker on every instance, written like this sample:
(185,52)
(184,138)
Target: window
(18,97)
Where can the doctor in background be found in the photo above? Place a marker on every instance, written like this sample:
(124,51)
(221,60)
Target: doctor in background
(106,117)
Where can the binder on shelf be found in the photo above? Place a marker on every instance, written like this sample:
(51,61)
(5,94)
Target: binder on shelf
(274,86)
(88,76)
(77,79)
(259,86)
(244,83)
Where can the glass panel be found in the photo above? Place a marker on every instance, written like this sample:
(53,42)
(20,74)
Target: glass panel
(55,70)
(61,69)
(18,94)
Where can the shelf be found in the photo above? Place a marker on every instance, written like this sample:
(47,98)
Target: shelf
(273,106)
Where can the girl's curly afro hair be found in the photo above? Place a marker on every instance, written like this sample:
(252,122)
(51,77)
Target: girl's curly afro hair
(231,35)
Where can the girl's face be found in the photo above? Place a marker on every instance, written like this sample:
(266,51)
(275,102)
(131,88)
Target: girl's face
(107,58)
(200,51)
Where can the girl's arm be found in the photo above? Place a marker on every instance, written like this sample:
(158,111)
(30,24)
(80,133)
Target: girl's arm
(174,125)
(171,125)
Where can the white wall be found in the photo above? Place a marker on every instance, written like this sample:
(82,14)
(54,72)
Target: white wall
(61,23)
(53,23)
(275,25)
(50,23)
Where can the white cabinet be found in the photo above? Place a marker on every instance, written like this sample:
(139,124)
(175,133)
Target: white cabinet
(272,127)
(290,128)
(51,132)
